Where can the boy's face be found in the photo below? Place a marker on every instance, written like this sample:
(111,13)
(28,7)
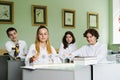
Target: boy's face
(13,35)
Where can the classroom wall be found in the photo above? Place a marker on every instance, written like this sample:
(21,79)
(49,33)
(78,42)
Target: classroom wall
(23,22)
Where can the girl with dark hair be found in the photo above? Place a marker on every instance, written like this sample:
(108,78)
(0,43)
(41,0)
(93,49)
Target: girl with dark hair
(67,46)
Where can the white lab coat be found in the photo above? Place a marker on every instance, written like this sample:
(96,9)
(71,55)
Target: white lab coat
(98,50)
(44,57)
(22,48)
(64,53)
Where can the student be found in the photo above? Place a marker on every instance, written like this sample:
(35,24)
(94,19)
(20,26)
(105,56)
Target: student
(67,46)
(93,48)
(41,52)
(16,48)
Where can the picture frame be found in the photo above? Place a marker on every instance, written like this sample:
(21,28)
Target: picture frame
(68,18)
(39,15)
(92,20)
(6,12)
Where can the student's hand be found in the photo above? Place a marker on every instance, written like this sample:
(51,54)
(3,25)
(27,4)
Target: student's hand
(70,54)
(32,59)
(66,55)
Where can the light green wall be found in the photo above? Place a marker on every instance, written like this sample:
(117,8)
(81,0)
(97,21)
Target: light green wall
(22,20)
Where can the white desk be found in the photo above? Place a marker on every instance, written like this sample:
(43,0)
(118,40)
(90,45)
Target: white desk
(70,72)
(58,72)
(106,72)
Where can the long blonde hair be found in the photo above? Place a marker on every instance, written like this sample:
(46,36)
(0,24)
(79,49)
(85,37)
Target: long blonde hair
(37,42)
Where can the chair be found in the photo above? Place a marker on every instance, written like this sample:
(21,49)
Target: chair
(2,51)
(57,50)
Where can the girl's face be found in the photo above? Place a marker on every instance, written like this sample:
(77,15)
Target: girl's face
(69,38)
(13,35)
(91,39)
(43,35)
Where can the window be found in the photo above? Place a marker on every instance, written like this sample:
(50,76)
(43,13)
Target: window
(116,21)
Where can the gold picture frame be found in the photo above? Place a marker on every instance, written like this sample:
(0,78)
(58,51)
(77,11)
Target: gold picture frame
(92,20)
(6,12)
(68,18)
(39,15)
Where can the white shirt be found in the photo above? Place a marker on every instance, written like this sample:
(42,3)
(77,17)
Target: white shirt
(63,53)
(44,57)
(22,48)
(98,50)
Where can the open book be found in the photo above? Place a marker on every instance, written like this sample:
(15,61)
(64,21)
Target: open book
(28,67)
(49,66)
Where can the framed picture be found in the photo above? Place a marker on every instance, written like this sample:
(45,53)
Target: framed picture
(92,20)
(6,12)
(39,15)
(68,18)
